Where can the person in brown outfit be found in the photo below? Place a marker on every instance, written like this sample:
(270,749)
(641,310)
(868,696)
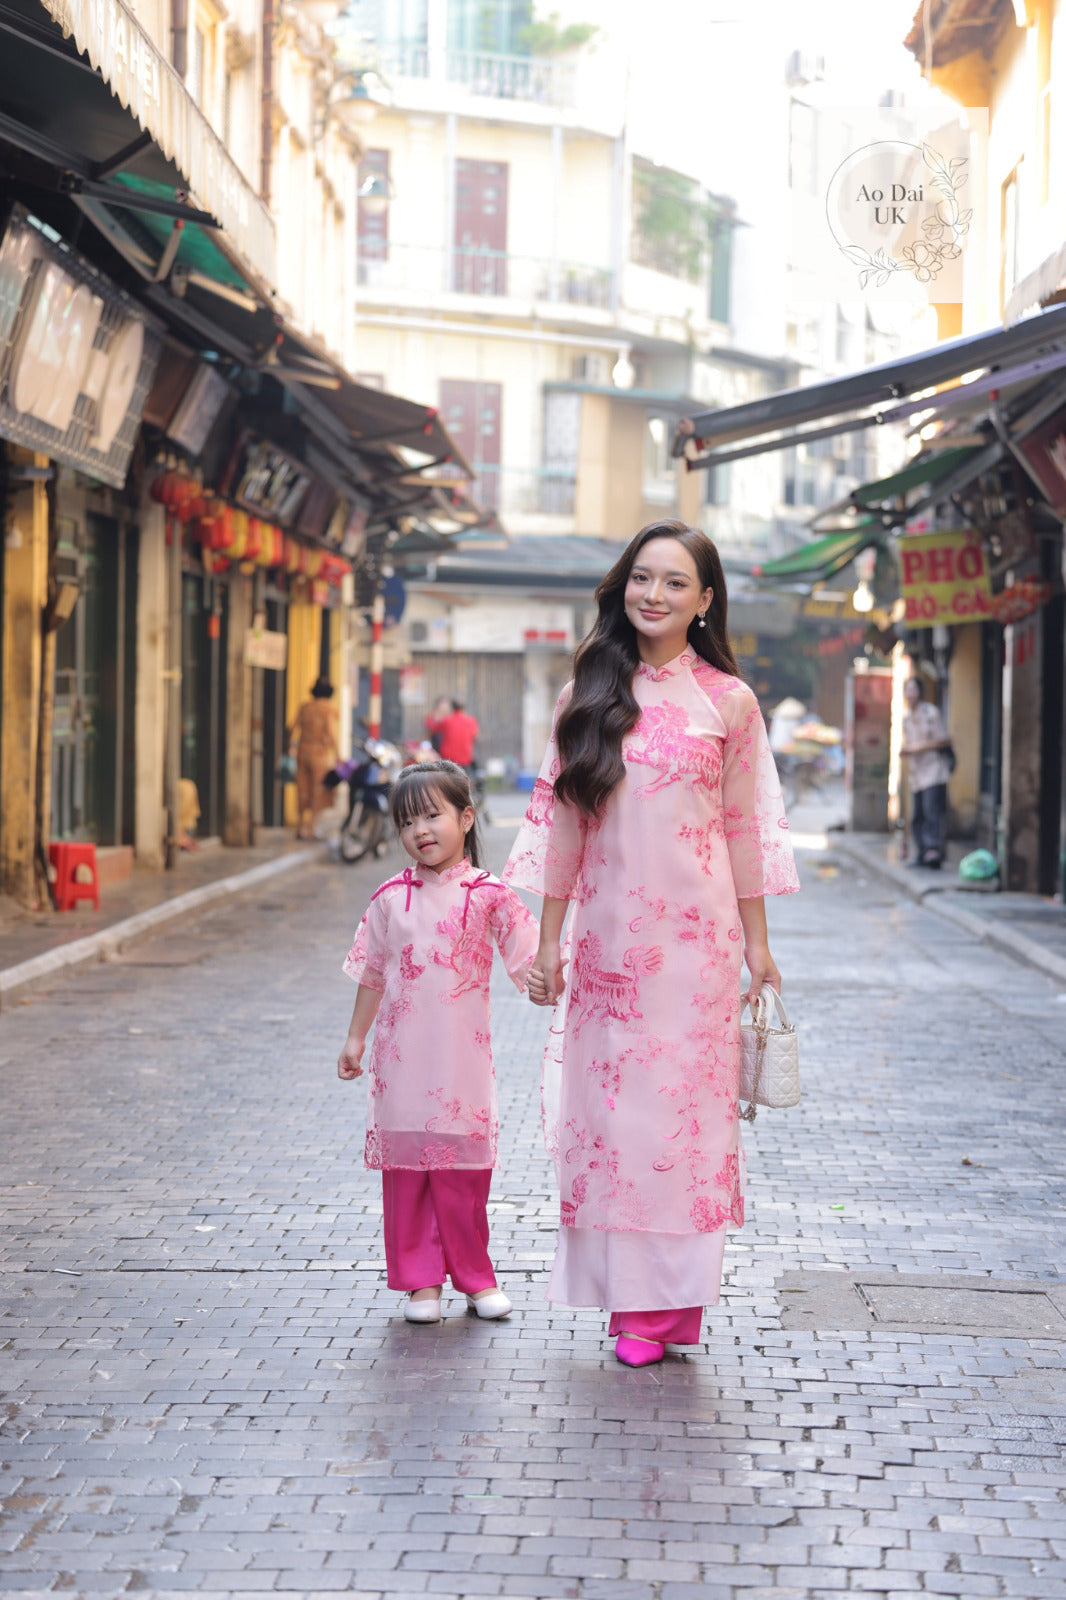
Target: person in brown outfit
(313,741)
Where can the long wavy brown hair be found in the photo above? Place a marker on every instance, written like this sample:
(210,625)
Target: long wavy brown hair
(602,707)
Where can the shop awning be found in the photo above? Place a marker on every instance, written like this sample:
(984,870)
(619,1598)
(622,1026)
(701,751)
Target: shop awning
(824,558)
(889,392)
(94,120)
(923,473)
(147,93)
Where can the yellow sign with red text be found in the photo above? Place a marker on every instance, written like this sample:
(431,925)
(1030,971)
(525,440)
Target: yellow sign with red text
(945,578)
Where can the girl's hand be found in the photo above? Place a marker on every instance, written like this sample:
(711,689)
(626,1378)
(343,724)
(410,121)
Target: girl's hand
(762,969)
(545,982)
(349,1062)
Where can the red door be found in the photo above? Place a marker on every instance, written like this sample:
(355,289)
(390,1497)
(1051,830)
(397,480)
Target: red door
(479,257)
(471,412)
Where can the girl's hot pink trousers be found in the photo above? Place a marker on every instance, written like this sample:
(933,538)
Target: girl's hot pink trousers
(667,1327)
(436,1227)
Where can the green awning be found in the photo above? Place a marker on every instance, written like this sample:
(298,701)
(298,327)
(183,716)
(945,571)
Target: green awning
(824,557)
(197,249)
(923,473)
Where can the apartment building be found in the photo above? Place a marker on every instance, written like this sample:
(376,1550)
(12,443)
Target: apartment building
(561,300)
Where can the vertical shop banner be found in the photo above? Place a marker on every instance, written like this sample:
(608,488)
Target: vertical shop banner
(945,578)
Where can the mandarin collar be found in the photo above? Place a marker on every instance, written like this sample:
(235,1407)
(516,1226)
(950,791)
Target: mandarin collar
(669,669)
(450,875)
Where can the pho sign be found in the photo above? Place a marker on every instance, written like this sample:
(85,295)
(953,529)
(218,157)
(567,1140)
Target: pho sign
(945,578)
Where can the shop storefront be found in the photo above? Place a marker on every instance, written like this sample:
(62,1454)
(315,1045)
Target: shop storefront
(968,581)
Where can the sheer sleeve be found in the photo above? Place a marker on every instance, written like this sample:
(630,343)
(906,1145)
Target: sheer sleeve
(516,933)
(365,961)
(756,829)
(547,854)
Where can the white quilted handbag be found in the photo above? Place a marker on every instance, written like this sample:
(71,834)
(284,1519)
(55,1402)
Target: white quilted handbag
(769,1057)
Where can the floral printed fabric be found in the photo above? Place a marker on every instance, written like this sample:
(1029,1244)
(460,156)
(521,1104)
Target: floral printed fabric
(641,1069)
(426,943)
(925,725)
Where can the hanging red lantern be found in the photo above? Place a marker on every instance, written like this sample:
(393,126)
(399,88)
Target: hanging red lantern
(271,552)
(240,535)
(224,530)
(253,539)
(198,501)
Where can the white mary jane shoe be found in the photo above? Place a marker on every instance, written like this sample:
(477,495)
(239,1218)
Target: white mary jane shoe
(422,1310)
(490,1306)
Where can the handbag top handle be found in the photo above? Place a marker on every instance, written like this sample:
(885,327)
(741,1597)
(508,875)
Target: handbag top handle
(762,1013)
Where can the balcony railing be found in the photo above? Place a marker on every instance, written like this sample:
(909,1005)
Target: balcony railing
(411,269)
(495,77)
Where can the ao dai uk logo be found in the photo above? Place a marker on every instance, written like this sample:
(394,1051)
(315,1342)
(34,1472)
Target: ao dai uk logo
(898,210)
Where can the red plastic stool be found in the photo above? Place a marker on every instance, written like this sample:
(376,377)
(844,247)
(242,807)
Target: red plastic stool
(67,856)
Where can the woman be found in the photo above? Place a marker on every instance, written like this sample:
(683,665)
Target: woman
(313,740)
(658,812)
(925,749)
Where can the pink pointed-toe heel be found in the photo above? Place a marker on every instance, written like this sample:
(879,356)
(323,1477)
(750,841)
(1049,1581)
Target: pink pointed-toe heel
(634,1352)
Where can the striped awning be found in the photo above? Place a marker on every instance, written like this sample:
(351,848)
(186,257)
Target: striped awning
(145,84)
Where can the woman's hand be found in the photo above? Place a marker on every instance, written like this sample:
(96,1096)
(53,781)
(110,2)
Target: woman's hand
(762,969)
(349,1062)
(545,982)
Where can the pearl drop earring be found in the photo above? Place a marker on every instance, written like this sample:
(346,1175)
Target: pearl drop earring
(703,623)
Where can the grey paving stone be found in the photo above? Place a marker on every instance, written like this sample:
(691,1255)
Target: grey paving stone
(267,1424)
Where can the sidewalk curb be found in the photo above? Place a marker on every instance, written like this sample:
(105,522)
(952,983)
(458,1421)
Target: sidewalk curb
(98,946)
(928,895)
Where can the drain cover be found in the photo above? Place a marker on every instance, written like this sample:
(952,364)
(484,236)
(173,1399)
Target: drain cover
(905,1303)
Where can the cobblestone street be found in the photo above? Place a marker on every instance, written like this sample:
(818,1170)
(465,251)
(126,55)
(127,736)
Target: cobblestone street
(207,1388)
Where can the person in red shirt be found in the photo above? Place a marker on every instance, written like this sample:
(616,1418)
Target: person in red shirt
(442,708)
(457,733)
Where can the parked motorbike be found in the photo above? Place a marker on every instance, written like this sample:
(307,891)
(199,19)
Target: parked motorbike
(369,774)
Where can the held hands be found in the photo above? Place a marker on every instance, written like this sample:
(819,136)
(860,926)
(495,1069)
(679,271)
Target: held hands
(349,1062)
(546,982)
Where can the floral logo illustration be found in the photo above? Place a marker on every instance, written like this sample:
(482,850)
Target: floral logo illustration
(894,207)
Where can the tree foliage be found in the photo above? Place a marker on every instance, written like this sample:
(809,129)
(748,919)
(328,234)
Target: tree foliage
(673,225)
(546,36)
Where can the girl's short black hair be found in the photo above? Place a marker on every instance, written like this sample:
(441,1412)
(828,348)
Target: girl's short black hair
(426,781)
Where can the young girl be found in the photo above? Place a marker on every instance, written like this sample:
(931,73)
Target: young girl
(422,957)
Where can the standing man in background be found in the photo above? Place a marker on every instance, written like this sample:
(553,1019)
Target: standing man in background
(457,733)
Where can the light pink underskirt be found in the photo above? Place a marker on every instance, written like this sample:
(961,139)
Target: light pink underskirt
(637,1271)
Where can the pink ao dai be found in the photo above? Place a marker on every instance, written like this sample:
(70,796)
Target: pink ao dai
(642,1064)
(426,943)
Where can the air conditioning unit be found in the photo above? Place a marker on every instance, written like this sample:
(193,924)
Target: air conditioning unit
(591,369)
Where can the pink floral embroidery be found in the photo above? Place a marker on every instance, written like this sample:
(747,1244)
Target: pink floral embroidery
(432,1097)
(435,1156)
(609,1077)
(639,1088)
(465,951)
(708,1215)
(409,968)
(599,993)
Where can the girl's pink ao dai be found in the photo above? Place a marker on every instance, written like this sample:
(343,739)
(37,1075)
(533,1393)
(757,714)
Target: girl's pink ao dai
(426,942)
